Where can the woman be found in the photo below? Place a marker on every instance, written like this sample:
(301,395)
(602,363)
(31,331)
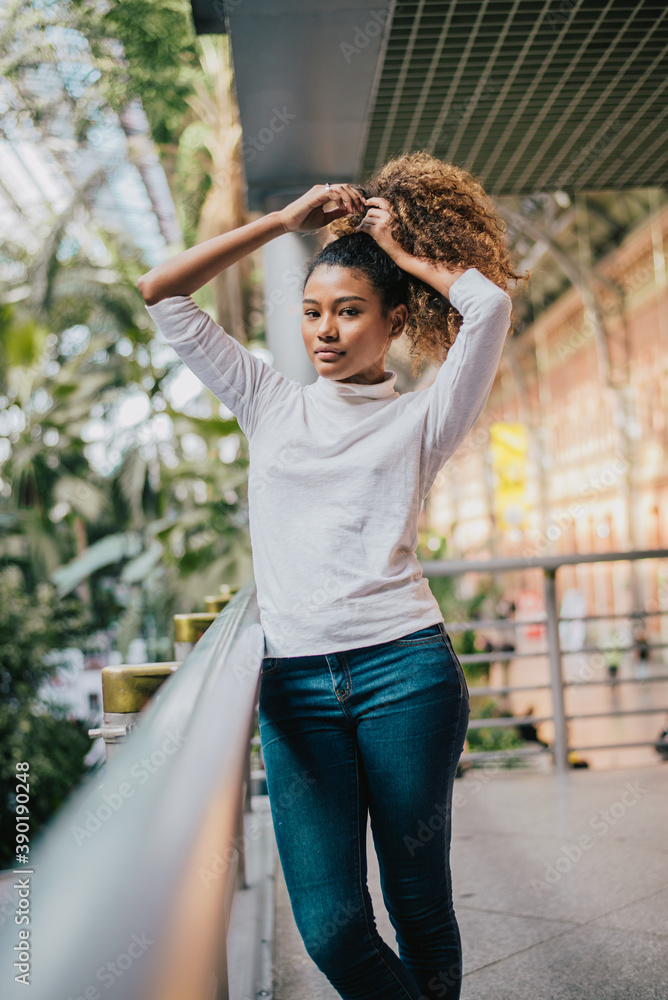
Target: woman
(363,703)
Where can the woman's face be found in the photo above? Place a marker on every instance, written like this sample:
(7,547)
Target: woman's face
(343,326)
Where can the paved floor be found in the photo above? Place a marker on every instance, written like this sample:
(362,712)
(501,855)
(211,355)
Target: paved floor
(561,890)
(250,933)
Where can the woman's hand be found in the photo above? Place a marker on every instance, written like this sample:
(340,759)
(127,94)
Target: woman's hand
(378,223)
(307,213)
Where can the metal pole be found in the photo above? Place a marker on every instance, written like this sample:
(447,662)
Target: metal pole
(247,768)
(556,674)
(241,814)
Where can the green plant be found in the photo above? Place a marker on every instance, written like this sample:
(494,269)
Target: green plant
(494,738)
(33,627)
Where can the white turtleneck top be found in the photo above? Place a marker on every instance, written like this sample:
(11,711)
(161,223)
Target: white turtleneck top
(339,471)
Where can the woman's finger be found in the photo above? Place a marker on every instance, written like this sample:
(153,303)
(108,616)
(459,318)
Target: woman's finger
(343,196)
(356,197)
(338,197)
(347,195)
(329,196)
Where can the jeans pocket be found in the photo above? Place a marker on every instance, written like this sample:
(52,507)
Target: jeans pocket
(432,633)
(460,672)
(270,664)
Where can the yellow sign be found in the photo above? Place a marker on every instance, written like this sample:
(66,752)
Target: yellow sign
(510,447)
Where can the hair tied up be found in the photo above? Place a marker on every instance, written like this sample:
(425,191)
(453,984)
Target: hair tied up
(442,213)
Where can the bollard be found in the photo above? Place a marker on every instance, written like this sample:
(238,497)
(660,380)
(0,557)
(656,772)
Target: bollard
(189,629)
(126,689)
(216,603)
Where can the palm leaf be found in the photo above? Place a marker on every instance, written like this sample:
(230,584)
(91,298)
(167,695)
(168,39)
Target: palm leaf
(107,551)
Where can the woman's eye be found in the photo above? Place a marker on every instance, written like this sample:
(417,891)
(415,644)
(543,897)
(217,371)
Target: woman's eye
(346,309)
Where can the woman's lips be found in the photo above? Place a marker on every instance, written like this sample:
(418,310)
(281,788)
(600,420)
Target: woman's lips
(330,355)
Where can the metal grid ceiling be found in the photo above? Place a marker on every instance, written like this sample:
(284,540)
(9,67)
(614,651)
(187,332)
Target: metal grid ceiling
(529,95)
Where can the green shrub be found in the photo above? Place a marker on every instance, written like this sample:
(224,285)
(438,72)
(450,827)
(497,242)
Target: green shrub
(31,728)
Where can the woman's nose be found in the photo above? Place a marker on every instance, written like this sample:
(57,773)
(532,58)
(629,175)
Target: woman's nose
(327,326)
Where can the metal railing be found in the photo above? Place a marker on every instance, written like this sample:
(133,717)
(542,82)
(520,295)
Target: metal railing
(561,749)
(118,899)
(118,903)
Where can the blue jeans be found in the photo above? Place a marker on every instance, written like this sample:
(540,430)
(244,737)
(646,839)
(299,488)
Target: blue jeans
(377,732)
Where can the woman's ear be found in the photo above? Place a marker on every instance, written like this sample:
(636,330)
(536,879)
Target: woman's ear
(399,320)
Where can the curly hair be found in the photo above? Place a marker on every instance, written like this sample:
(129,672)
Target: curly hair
(440,213)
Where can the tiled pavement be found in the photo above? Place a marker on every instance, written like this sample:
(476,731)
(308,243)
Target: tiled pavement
(560,885)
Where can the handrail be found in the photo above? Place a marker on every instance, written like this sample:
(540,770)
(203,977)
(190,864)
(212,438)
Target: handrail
(476,623)
(502,655)
(551,621)
(118,903)
(457,567)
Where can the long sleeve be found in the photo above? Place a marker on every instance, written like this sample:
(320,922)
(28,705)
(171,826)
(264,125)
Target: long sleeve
(460,390)
(244,383)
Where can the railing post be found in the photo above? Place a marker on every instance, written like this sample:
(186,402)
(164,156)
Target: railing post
(126,688)
(556,674)
(189,629)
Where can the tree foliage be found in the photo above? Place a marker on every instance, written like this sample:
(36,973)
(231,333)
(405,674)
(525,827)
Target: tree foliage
(131,519)
(32,626)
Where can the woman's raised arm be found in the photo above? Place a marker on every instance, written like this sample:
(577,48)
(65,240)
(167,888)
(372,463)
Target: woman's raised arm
(188,271)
